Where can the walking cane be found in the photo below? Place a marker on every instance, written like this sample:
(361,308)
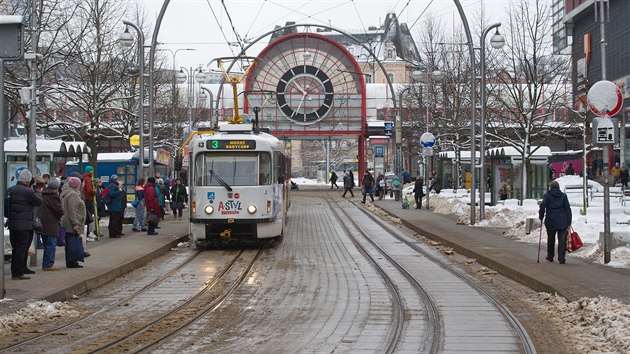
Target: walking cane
(539,241)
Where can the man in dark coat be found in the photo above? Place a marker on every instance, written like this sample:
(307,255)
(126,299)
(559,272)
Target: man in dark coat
(418,192)
(556,211)
(368,186)
(24,199)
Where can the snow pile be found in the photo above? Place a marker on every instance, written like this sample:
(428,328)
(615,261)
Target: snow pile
(34,312)
(597,325)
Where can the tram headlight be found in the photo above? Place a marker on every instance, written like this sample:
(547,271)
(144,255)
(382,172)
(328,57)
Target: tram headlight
(209,209)
(251,209)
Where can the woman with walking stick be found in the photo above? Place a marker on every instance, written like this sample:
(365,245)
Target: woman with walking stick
(556,211)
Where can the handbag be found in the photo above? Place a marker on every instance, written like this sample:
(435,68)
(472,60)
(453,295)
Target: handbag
(61,238)
(152,218)
(37,225)
(574,242)
(134,203)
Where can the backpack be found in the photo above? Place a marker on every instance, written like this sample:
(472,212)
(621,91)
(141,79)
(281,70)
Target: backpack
(105,195)
(396,183)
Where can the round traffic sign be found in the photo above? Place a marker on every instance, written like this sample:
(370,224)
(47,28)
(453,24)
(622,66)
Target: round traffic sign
(604,99)
(427,140)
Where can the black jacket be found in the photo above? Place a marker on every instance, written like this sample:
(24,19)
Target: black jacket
(418,187)
(368,181)
(23,201)
(556,210)
(179,194)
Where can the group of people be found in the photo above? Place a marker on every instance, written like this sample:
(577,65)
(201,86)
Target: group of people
(52,211)
(59,211)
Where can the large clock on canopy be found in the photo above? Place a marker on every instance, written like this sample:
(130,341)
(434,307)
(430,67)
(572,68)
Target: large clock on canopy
(305,94)
(317,85)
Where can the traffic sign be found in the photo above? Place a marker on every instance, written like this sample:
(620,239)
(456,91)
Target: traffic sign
(379,151)
(427,151)
(605,131)
(604,99)
(427,140)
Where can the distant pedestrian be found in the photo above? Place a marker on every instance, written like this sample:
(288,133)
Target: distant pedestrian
(23,200)
(333,180)
(347,185)
(50,213)
(116,202)
(368,186)
(418,192)
(160,195)
(397,188)
(179,196)
(138,221)
(556,211)
(89,193)
(600,165)
(406,176)
(569,171)
(380,186)
(152,205)
(623,177)
(73,220)
(615,172)
(351,178)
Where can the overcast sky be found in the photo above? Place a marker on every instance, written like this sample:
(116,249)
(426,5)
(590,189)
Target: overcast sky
(204,25)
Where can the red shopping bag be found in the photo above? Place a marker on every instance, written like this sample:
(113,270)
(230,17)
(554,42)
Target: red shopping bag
(574,242)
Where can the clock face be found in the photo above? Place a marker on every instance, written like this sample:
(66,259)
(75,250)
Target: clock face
(305,94)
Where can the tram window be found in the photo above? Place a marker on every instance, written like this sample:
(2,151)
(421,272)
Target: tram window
(280,167)
(235,169)
(264,173)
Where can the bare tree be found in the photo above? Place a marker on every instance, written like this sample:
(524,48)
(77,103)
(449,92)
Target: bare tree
(529,87)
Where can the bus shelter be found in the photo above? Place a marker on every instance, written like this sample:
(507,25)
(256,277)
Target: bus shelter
(506,173)
(51,157)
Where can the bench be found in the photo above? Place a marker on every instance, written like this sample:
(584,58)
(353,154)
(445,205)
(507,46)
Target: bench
(613,192)
(577,188)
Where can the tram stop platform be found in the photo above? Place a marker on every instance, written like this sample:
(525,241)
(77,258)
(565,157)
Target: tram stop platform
(516,260)
(110,258)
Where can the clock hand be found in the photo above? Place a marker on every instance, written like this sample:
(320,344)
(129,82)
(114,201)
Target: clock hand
(300,105)
(299,87)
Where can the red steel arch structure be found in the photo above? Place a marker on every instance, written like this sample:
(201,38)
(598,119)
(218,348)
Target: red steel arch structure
(320,90)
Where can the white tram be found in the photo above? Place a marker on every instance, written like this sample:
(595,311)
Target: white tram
(238,183)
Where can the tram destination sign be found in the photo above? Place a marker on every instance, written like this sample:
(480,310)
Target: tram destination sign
(231,144)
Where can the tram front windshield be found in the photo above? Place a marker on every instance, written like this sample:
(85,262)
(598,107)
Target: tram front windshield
(233,168)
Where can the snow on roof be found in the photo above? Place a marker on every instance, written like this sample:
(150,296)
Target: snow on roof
(44,145)
(540,151)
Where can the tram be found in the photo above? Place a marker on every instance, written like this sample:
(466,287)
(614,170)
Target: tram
(239,183)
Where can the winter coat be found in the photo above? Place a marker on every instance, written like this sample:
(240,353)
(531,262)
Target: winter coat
(418,187)
(351,177)
(333,177)
(624,176)
(151,201)
(160,197)
(179,194)
(88,187)
(117,198)
(164,191)
(23,202)
(348,182)
(555,209)
(368,181)
(73,209)
(50,212)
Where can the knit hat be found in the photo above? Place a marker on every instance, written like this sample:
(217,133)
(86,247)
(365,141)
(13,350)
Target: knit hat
(113,178)
(25,176)
(76,174)
(54,183)
(89,168)
(74,182)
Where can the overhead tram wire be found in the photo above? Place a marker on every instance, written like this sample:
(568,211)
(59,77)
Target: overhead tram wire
(239,39)
(359,16)
(422,13)
(255,18)
(220,27)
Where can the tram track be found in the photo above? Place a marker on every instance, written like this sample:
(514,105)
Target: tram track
(525,341)
(433,334)
(87,335)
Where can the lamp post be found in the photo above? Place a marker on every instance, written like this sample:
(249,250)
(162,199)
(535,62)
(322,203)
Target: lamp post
(174,55)
(416,76)
(191,76)
(497,41)
(203,97)
(126,41)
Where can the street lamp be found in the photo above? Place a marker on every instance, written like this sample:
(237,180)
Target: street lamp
(416,76)
(126,41)
(497,41)
(203,97)
(174,55)
(191,76)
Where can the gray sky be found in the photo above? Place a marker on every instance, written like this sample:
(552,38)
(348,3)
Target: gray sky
(205,25)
